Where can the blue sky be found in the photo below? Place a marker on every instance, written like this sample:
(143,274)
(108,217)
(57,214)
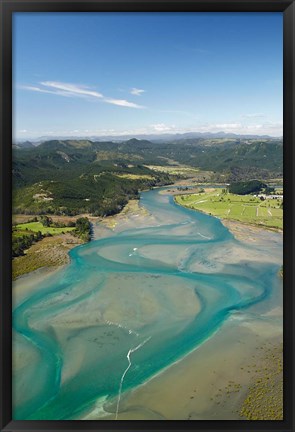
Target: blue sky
(84,74)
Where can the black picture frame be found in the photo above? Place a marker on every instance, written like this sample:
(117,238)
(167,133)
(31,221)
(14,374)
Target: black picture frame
(7,8)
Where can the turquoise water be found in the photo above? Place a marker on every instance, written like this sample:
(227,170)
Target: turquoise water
(131,304)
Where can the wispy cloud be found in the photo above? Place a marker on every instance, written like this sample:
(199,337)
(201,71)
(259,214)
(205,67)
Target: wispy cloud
(36,89)
(63,89)
(77,90)
(72,89)
(122,102)
(137,92)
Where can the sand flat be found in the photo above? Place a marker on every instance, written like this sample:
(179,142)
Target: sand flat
(211,383)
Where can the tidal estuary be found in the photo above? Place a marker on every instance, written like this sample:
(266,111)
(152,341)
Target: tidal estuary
(131,304)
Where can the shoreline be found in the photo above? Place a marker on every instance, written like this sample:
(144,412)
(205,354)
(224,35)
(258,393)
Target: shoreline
(236,227)
(50,252)
(102,227)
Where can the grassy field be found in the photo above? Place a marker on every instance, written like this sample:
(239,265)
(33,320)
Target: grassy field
(135,176)
(22,229)
(49,252)
(243,208)
(184,172)
(176,170)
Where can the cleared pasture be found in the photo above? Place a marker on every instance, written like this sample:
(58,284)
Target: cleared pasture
(243,208)
(37,226)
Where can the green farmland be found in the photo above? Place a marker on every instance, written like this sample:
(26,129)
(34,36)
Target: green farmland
(242,208)
(34,227)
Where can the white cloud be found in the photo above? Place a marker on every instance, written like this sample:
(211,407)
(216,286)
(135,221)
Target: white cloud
(162,127)
(267,128)
(122,102)
(228,126)
(36,89)
(72,89)
(137,92)
(77,90)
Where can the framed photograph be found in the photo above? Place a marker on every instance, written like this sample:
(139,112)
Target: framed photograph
(147,208)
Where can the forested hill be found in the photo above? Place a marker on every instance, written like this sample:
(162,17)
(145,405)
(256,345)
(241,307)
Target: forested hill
(80,175)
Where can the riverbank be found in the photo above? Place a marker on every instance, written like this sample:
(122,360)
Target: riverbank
(44,243)
(247,232)
(48,252)
(52,252)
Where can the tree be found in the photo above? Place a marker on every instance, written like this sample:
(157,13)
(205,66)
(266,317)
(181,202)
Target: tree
(83,228)
(269,190)
(45,221)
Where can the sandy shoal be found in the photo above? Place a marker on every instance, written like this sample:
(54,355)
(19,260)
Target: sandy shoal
(250,233)
(28,284)
(211,383)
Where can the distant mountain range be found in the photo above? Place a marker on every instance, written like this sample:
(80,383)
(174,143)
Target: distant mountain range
(151,137)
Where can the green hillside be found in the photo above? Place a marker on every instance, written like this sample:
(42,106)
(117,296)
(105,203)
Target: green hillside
(77,176)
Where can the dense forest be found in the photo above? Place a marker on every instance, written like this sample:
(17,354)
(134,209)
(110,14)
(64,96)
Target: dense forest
(247,187)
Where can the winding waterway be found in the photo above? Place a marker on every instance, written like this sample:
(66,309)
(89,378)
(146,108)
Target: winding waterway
(129,305)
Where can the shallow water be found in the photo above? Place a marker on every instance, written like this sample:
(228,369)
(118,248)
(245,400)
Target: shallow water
(131,304)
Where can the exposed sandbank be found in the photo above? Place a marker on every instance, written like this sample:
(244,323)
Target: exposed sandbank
(215,380)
